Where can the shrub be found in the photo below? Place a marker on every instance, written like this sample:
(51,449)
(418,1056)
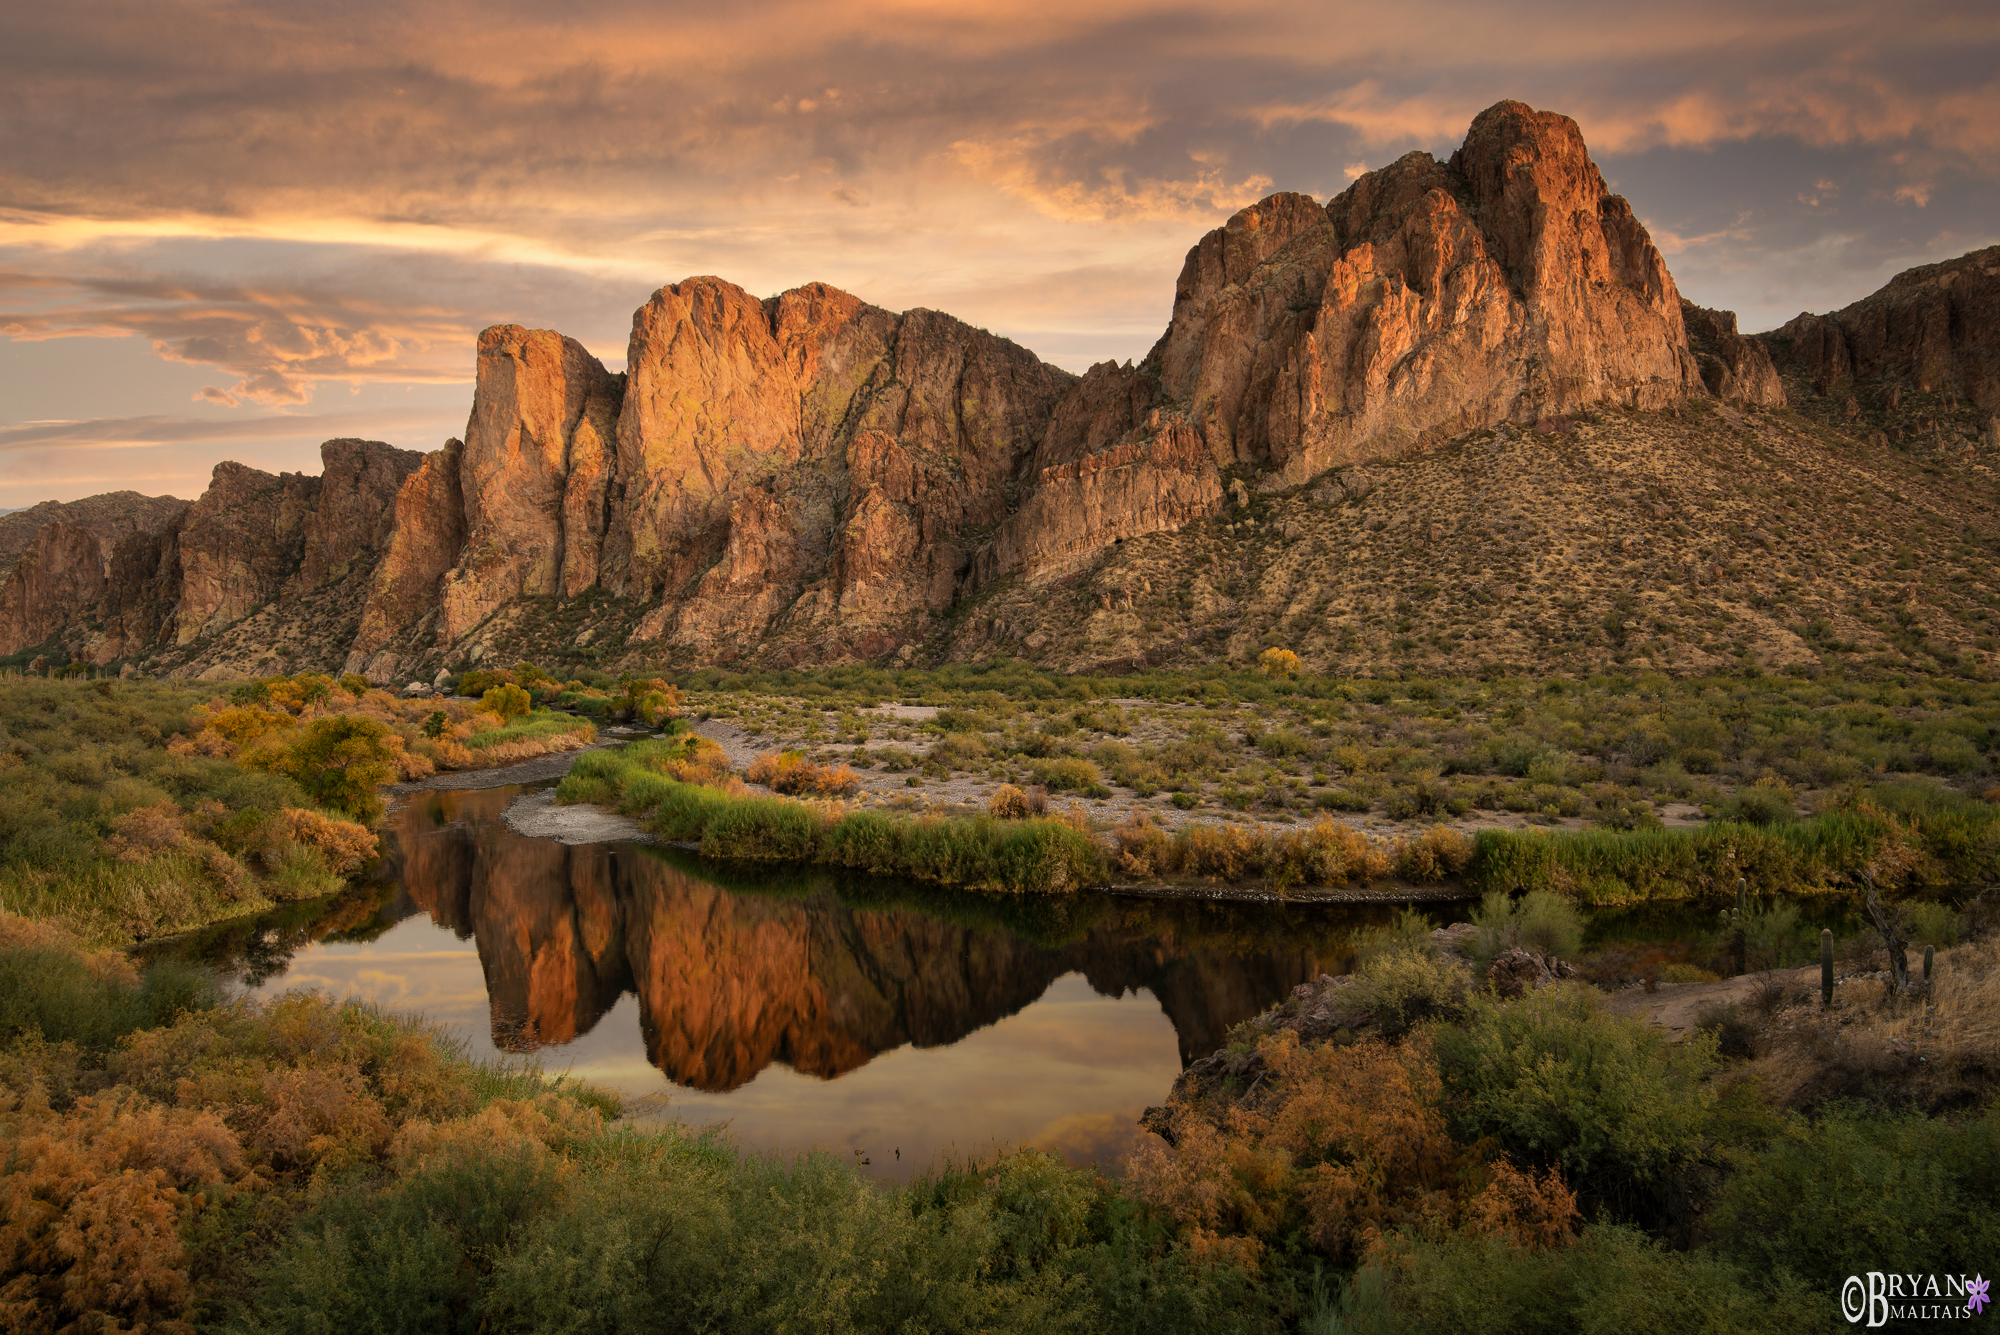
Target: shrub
(1329,853)
(339,761)
(1008,803)
(791,773)
(1218,852)
(1542,922)
(344,845)
(1759,804)
(957,750)
(1620,1109)
(1401,987)
(1071,774)
(1436,854)
(1847,1194)
(1610,1278)
(506,702)
(1278,663)
(65,996)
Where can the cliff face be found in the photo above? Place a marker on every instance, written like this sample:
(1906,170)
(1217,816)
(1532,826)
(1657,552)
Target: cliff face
(258,566)
(1427,300)
(1735,369)
(1933,330)
(806,478)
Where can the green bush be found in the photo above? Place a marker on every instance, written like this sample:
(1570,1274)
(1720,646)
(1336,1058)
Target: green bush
(52,992)
(340,761)
(1068,775)
(1612,1280)
(506,700)
(1539,921)
(1759,805)
(1852,1193)
(1405,985)
(1619,1108)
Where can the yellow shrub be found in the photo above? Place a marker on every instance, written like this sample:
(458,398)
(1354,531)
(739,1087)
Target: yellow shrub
(1008,803)
(1279,663)
(1437,853)
(344,844)
(1329,853)
(137,835)
(1144,849)
(1219,852)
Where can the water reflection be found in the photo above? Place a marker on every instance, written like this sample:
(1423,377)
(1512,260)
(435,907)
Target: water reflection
(801,1008)
(729,981)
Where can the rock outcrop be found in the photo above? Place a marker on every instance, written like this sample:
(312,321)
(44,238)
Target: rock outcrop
(239,544)
(1734,368)
(532,475)
(1426,300)
(807,478)
(109,517)
(52,584)
(426,535)
(1933,329)
(353,515)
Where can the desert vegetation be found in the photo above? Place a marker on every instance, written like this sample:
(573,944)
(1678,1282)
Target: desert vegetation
(1611,790)
(1400,1149)
(133,808)
(179,1163)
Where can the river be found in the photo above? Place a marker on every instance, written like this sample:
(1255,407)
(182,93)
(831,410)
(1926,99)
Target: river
(886,1022)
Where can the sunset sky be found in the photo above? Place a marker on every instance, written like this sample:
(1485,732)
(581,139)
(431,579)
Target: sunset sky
(231,230)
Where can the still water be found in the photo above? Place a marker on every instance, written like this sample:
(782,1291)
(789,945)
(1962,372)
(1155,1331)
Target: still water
(886,1022)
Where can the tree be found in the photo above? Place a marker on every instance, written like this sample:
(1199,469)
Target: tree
(1279,663)
(339,760)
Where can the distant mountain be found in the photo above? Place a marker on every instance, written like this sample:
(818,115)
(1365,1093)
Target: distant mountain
(1458,415)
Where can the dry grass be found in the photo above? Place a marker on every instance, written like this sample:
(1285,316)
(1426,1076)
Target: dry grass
(1934,1050)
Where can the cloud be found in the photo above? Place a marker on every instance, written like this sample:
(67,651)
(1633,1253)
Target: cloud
(300,197)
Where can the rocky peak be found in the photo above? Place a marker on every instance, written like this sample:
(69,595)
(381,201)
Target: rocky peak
(534,473)
(351,524)
(240,542)
(1425,300)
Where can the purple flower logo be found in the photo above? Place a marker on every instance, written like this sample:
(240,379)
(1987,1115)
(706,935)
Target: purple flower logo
(1975,1294)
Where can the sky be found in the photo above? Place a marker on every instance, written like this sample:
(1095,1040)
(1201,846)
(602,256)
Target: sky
(231,230)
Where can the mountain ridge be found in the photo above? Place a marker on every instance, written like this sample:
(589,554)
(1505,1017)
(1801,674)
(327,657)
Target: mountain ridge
(808,478)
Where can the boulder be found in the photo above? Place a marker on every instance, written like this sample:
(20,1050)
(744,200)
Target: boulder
(1516,971)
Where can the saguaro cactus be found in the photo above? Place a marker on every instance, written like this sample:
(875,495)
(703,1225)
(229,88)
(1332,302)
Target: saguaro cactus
(1742,909)
(1826,966)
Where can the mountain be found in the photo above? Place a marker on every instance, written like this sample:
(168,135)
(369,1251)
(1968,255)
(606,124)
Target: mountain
(1458,414)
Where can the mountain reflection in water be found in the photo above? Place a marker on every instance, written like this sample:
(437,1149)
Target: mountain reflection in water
(736,970)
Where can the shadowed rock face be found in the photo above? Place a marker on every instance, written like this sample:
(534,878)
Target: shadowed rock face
(729,983)
(1733,367)
(1934,329)
(171,572)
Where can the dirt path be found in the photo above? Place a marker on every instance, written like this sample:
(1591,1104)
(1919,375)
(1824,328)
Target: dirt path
(1675,1006)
